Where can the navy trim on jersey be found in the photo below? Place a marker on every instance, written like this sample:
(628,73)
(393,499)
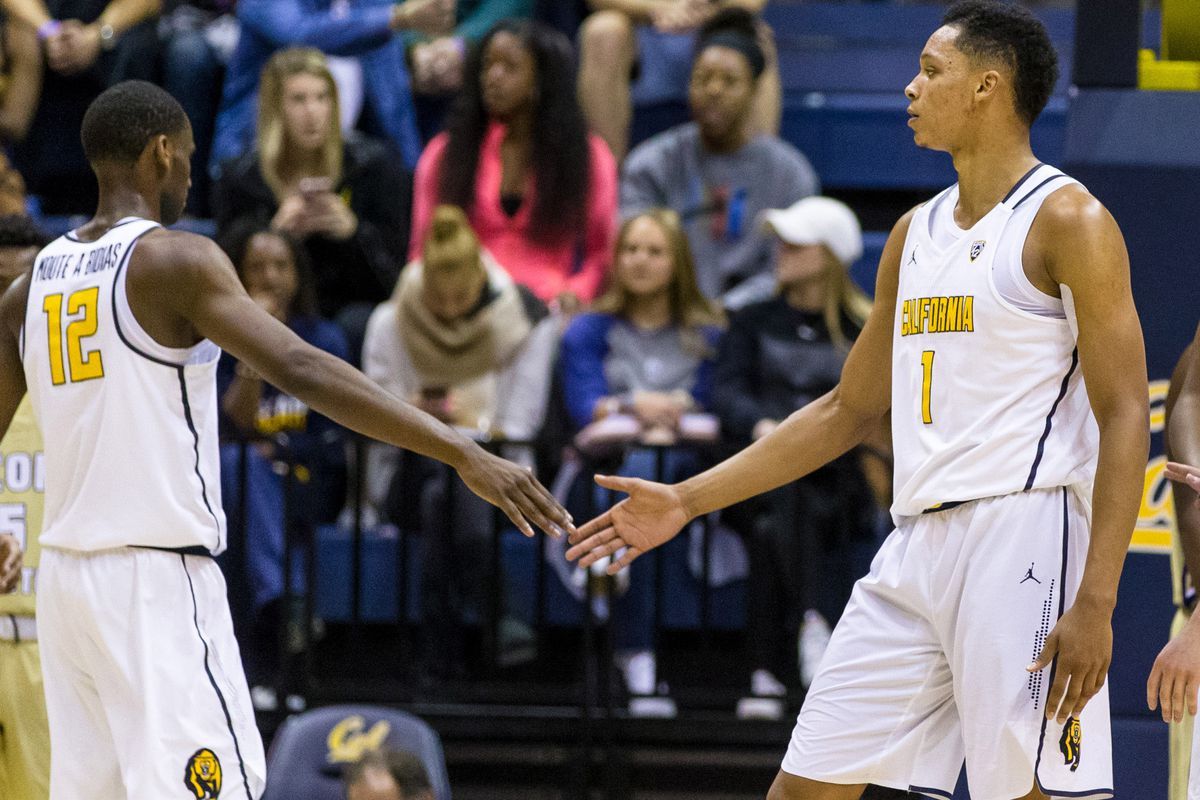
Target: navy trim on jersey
(179,368)
(1062,392)
(116,314)
(946,506)
(1021,182)
(939,793)
(71,233)
(237,748)
(194,550)
(1037,188)
(187,415)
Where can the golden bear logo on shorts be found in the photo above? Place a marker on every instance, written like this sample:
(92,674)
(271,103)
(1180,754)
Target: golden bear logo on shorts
(1072,736)
(202,776)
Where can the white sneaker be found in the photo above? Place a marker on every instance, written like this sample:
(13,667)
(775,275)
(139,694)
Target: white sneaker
(814,638)
(764,684)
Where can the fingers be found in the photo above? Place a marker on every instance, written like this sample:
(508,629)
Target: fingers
(590,528)
(617,483)
(1165,689)
(595,547)
(549,506)
(1152,686)
(624,561)
(1177,688)
(510,510)
(1180,472)
(1068,707)
(1049,651)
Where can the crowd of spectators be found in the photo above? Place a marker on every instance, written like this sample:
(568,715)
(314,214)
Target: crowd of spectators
(517,275)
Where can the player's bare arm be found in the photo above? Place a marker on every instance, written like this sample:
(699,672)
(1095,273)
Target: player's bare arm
(808,439)
(12,390)
(190,277)
(1076,243)
(1175,677)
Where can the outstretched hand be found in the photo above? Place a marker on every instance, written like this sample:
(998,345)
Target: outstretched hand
(652,515)
(1184,473)
(516,492)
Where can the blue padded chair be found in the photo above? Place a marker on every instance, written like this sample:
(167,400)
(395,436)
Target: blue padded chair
(310,749)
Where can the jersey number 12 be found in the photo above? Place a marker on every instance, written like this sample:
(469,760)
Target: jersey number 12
(81,365)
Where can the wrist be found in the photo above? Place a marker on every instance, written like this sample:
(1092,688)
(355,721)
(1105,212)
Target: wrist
(1101,602)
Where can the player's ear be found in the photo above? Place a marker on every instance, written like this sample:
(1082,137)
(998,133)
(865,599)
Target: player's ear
(987,85)
(163,150)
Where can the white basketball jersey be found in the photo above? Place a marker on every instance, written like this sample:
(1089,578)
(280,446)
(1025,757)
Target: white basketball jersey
(130,426)
(987,398)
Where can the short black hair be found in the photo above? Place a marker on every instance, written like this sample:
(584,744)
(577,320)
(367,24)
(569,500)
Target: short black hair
(993,29)
(124,118)
(18,230)
(406,769)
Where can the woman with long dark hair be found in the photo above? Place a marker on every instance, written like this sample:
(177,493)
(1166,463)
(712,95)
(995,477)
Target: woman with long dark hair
(539,190)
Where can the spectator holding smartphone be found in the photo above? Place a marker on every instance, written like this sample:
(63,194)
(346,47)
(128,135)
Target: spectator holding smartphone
(345,198)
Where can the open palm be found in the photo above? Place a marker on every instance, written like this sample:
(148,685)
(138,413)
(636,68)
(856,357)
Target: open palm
(649,517)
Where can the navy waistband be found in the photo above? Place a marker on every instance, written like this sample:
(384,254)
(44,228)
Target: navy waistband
(193,550)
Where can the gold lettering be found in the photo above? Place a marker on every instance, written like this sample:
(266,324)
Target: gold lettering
(969,313)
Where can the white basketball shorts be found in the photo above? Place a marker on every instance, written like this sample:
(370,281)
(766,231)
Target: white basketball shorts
(144,685)
(928,663)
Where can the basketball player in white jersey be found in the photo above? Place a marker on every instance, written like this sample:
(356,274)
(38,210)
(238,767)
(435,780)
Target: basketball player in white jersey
(1005,345)
(116,334)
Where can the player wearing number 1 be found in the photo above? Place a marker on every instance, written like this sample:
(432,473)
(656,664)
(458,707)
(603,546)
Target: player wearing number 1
(1006,347)
(116,333)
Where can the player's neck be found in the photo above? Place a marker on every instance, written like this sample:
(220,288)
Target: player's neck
(118,201)
(987,172)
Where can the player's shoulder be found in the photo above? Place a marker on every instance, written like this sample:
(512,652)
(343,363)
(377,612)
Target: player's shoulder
(166,249)
(1071,210)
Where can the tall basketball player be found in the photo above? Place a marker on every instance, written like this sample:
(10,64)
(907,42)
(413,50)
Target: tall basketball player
(116,334)
(1005,344)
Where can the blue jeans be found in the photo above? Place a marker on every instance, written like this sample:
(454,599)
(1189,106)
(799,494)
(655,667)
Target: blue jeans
(192,74)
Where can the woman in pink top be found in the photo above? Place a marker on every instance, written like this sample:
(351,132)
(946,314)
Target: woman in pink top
(513,156)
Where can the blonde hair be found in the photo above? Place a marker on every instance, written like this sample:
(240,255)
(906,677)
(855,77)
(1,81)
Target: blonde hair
(450,246)
(283,65)
(689,307)
(843,299)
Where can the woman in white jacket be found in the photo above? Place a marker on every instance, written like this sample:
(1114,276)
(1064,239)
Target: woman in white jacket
(465,343)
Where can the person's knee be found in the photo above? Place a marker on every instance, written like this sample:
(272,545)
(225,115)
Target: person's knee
(793,787)
(606,39)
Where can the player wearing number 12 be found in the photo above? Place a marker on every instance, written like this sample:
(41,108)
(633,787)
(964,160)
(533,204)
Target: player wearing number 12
(116,332)
(1006,347)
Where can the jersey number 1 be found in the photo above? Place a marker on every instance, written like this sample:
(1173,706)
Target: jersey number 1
(83,365)
(927,387)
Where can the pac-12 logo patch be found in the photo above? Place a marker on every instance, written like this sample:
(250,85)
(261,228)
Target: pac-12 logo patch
(1072,736)
(202,776)
(977,248)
